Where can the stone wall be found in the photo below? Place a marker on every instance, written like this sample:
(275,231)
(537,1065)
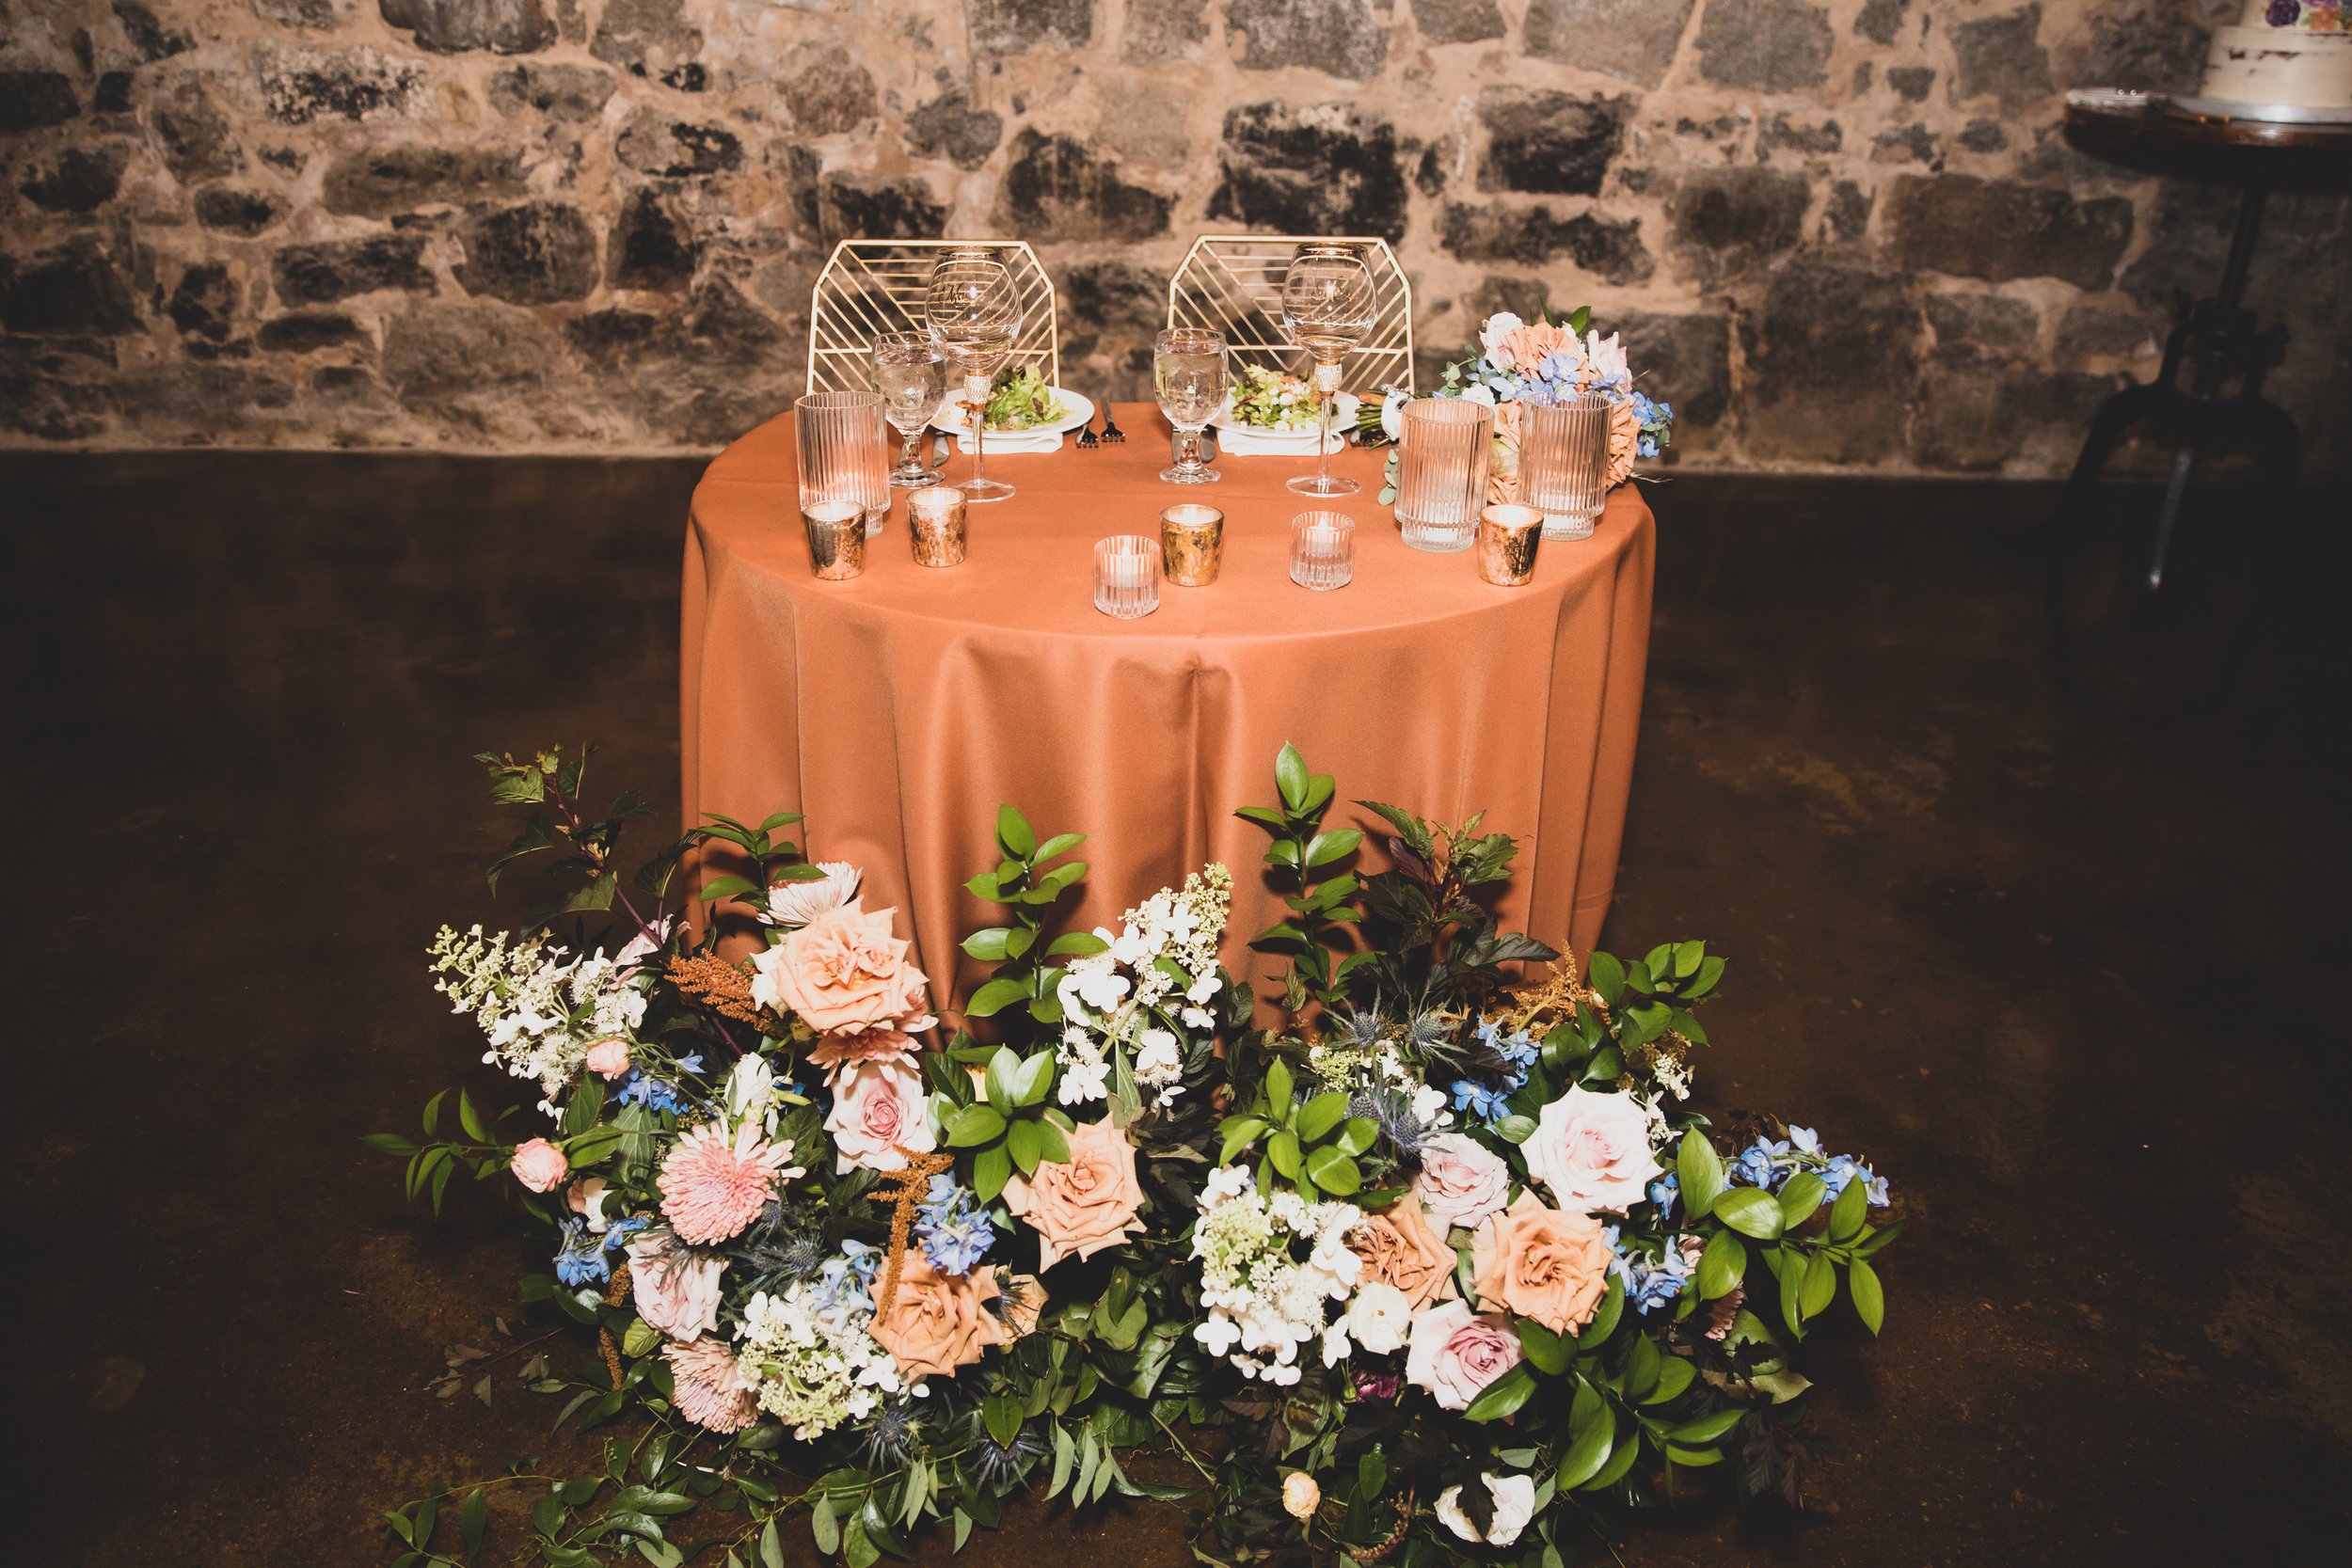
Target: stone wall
(1838,233)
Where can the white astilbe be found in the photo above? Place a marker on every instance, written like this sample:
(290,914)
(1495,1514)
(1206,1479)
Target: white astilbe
(540,1008)
(1264,1301)
(1160,970)
(816,1366)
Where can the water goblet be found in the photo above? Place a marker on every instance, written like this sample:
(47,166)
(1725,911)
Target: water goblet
(911,373)
(1188,372)
(972,306)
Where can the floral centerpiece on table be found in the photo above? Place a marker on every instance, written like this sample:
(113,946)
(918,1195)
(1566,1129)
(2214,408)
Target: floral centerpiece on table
(1519,362)
(1447,1251)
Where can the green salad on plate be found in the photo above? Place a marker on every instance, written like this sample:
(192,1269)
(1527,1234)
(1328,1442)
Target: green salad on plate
(1023,400)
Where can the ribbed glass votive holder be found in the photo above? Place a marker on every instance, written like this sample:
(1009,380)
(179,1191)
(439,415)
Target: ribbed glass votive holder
(1322,549)
(1127,576)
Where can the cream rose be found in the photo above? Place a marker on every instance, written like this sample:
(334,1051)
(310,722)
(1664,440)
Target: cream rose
(540,1165)
(1542,1262)
(1593,1151)
(1301,1495)
(876,1111)
(672,1288)
(1454,1353)
(1400,1247)
(936,1322)
(1380,1318)
(842,969)
(1461,1181)
(1081,1206)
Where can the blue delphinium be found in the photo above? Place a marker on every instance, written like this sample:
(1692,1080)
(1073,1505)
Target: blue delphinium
(1490,1103)
(1486,1102)
(1650,1282)
(954,1229)
(1762,1163)
(616,1235)
(1666,1191)
(1844,1168)
(580,1261)
(848,1281)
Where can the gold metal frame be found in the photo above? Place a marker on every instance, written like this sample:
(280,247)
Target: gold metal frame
(1232,284)
(874,286)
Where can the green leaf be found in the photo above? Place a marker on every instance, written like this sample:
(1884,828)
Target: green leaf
(975,1125)
(1282,1150)
(1821,1286)
(1750,1211)
(1605,1318)
(1080,944)
(1588,1450)
(1239,1133)
(1674,1376)
(1334,1172)
(1706,1429)
(1692,1459)
(472,1519)
(1846,1217)
(1700,1172)
(1357,1135)
(1338,844)
(991,1169)
(640,1337)
(988,944)
(1605,976)
(995,997)
(1501,1396)
(857,1546)
(1022,1140)
(1278,1089)
(471,1119)
(1544,1350)
(1033,1078)
(1516,1130)
(1643,1367)
(1869,1297)
(725,887)
(1060,844)
(1290,777)
(1801,1198)
(1722,1265)
(1320,1114)
(1015,832)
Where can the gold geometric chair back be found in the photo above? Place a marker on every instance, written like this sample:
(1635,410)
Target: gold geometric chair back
(869,287)
(1232,284)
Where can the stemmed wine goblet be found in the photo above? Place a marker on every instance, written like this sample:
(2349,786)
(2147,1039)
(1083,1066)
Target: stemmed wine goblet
(1328,307)
(911,373)
(1188,373)
(975,311)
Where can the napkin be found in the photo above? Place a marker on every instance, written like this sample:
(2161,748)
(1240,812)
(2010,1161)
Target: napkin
(1002,443)
(1249,443)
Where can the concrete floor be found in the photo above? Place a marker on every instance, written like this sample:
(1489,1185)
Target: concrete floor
(2074,980)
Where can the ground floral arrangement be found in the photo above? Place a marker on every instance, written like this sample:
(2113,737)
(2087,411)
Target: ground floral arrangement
(1437,1272)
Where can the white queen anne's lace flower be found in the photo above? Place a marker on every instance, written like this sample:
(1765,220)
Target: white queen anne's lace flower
(1264,1303)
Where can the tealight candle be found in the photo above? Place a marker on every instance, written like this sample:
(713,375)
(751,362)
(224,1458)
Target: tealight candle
(1508,536)
(1322,549)
(935,525)
(837,537)
(1192,538)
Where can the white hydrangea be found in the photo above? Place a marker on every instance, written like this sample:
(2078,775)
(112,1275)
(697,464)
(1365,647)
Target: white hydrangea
(540,1008)
(1263,1302)
(1159,969)
(816,1366)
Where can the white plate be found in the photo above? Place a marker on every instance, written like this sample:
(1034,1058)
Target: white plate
(1081,412)
(2274,114)
(1342,421)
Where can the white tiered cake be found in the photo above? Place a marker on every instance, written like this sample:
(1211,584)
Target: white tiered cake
(2289,52)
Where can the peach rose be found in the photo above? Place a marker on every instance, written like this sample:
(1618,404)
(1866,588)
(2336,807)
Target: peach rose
(885,1042)
(1503,477)
(608,1058)
(1625,438)
(936,1322)
(842,969)
(1455,1352)
(1461,1180)
(876,1111)
(1085,1204)
(1400,1247)
(540,1165)
(1593,1151)
(1543,1263)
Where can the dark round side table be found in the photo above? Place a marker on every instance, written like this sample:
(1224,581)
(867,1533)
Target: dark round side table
(2214,340)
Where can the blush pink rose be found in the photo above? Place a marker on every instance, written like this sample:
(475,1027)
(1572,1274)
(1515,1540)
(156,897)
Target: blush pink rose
(608,1058)
(1082,1205)
(1543,1263)
(1593,1151)
(1455,1353)
(1400,1247)
(1461,1181)
(540,1165)
(673,1290)
(938,1321)
(842,969)
(876,1111)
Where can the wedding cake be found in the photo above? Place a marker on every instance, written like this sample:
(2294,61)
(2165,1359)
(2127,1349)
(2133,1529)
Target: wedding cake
(2284,52)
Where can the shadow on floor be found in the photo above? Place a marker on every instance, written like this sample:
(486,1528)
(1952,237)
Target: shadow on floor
(2071,978)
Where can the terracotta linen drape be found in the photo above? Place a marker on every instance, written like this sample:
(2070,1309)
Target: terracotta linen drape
(897,710)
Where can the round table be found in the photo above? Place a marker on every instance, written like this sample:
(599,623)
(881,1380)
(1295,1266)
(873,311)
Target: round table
(896,709)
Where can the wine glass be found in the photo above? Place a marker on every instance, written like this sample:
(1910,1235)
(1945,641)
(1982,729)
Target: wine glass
(1188,373)
(1328,307)
(975,311)
(911,373)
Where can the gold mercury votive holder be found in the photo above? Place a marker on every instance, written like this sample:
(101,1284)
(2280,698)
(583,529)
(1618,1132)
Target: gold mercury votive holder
(1192,538)
(935,525)
(1508,536)
(837,538)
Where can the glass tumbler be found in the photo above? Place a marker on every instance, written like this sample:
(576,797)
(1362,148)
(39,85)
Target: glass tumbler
(1322,549)
(1441,475)
(1127,576)
(1564,456)
(844,452)
(1188,374)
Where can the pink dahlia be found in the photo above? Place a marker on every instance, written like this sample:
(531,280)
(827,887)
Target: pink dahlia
(713,1188)
(710,1388)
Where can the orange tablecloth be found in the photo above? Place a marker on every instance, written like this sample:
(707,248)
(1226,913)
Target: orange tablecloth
(898,709)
